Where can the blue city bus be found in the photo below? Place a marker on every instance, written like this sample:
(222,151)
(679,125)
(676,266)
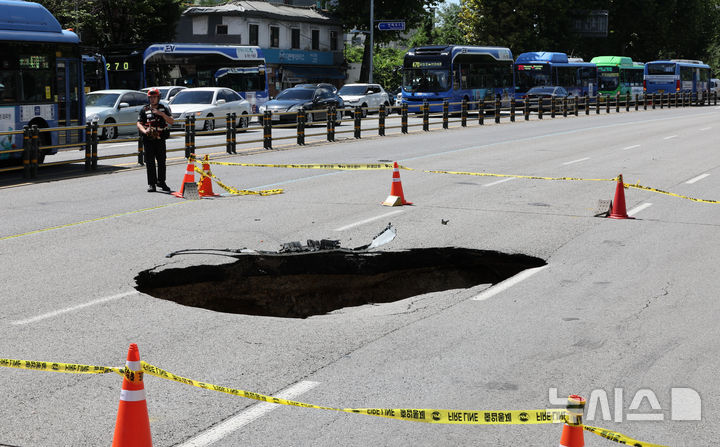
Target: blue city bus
(542,68)
(241,68)
(95,72)
(436,73)
(676,76)
(41,77)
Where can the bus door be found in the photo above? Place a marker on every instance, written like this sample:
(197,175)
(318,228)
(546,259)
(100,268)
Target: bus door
(69,101)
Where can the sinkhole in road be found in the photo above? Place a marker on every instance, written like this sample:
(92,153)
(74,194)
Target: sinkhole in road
(299,285)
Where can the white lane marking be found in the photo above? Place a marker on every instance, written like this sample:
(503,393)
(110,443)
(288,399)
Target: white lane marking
(382,216)
(638,208)
(73,308)
(246,416)
(576,161)
(706,128)
(631,147)
(697,179)
(499,181)
(503,285)
(670,137)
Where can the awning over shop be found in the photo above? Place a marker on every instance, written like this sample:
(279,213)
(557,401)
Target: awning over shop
(315,72)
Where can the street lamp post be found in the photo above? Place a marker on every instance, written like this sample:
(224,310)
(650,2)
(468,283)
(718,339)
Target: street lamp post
(372,29)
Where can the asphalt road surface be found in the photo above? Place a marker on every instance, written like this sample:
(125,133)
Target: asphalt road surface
(624,309)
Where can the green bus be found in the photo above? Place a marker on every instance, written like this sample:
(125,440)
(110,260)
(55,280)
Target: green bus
(618,74)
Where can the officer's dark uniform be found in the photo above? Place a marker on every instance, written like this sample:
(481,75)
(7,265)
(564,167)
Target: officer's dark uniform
(155,145)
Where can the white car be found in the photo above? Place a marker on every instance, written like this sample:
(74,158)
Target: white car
(715,85)
(115,107)
(364,95)
(209,102)
(167,92)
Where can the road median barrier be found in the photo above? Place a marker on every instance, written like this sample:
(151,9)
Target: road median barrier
(135,369)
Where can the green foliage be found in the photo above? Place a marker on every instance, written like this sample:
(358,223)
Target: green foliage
(102,23)
(354,54)
(387,64)
(642,29)
(447,26)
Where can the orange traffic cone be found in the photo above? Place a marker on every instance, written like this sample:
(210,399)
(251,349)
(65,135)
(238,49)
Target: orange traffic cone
(618,205)
(132,428)
(189,176)
(396,197)
(572,434)
(206,182)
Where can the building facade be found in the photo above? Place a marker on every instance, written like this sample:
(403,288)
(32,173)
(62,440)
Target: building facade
(300,44)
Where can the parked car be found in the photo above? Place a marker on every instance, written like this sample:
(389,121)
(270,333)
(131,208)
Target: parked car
(115,107)
(546,92)
(314,99)
(209,102)
(364,95)
(167,92)
(715,85)
(323,85)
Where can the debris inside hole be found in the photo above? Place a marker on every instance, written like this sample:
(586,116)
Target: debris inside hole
(302,284)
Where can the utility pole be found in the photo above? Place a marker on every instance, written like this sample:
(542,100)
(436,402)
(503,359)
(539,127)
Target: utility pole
(372,44)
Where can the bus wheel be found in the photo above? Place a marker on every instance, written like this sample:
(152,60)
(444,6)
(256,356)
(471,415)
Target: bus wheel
(243,122)
(109,133)
(209,123)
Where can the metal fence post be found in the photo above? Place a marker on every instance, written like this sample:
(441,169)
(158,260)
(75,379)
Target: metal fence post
(88,145)
(617,102)
(552,106)
(357,115)
(445,113)
(607,104)
(512,109)
(565,106)
(540,107)
(662,101)
(34,151)
(715,98)
(228,133)
(637,103)
(598,100)
(426,115)
(497,109)
(481,112)
(26,151)
(404,118)
(381,120)
(187,137)
(331,115)
(267,130)
(526,109)
(95,141)
(233,132)
(576,104)
(587,104)
(463,112)
(300,118)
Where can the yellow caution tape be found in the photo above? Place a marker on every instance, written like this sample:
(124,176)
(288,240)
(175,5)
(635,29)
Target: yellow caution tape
(433,416)
(660,191)
(231,190)
(618,437)
(532,177)
(70,368)
(335,166)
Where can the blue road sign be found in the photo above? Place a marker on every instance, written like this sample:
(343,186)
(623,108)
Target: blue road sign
(391,26)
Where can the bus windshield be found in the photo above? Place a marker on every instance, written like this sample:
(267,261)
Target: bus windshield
(528,76)
(426,80)
(609,78)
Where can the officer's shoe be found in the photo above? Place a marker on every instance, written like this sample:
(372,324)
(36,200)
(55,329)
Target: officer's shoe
(164,187)
(151,188)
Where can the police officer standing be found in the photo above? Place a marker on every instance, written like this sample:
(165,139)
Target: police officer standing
(152,123)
